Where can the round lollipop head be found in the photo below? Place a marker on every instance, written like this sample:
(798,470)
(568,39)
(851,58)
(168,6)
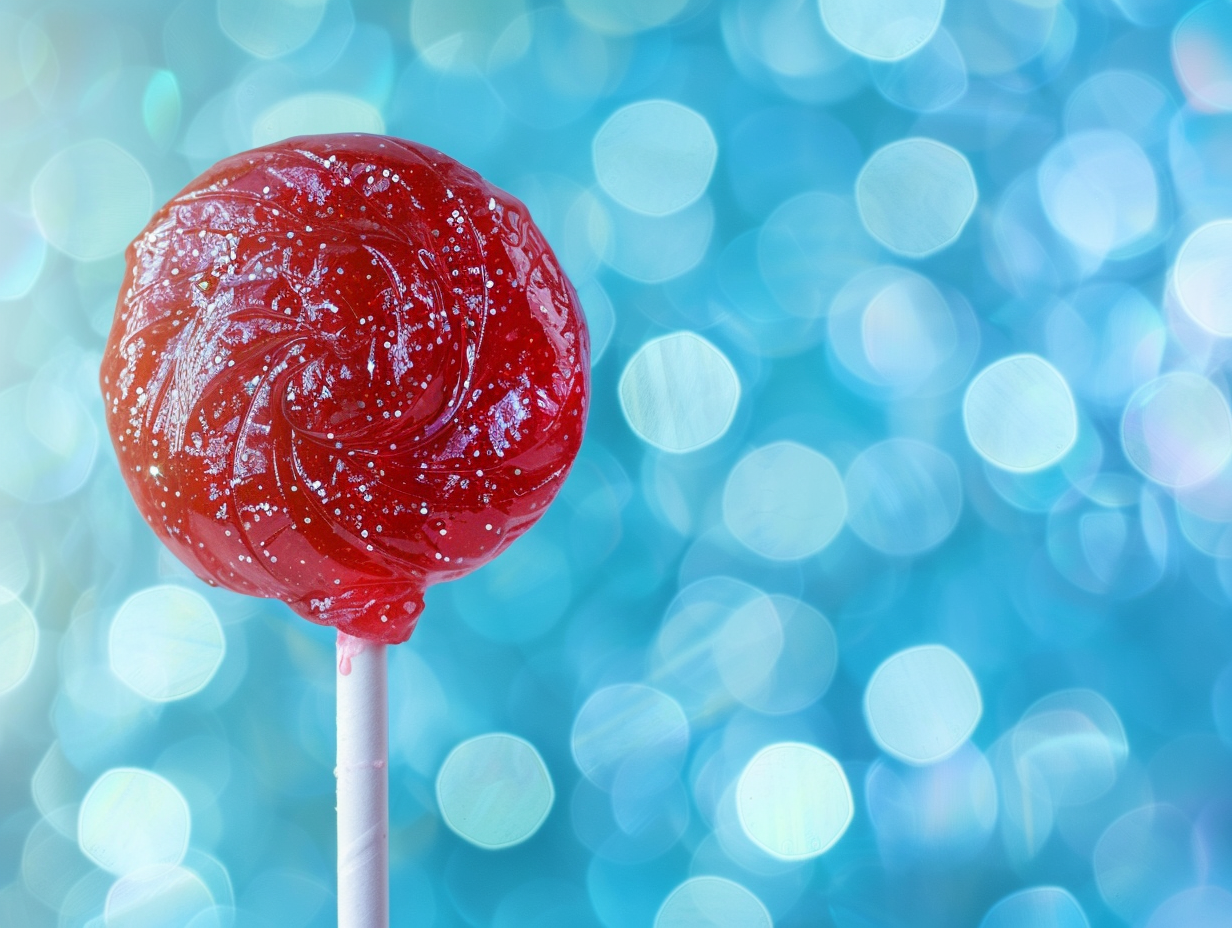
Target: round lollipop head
(343,368)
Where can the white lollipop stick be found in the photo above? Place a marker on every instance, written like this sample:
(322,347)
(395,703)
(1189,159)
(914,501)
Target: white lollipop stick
(363,785)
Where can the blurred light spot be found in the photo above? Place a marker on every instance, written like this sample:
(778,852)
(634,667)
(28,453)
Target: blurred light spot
(316,114)
(133,819)
(600,317)
(166,643)
(521,595)
(50,864)
(161,107)
(784,501)
(1125,101)
(91,198)
(469,35)
(929,80)
(885,30)
(1202,277)
(1070,744)
(1107,340)
(776,654)
(1202,55)
(997,36)
(679,392)
(1142,858)
(1019,414)
(628,725)
(895,331)
(903,496)
(19,638)
(1099,190)
(1040,907)
(683,657)
(922,704)
(494,791)
(1177,429)
(654,249)
(56,788)
(270,28)
(1199,907)
(712,902)
(158,898)
(808,248)
(915,195)
(624,17)
(794,801)
(654,157)
(50,443)
(1109,544)
(785,43)
(945,811)
(22,254)
(14,563)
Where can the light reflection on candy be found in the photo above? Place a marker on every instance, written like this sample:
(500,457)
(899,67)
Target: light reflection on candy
(794,801)
(942,812)
(1177,429)
(922,704)
(1019,414)
(654,157)
(1202,55)
(1202,276)
(784,501)
(133,819)
(89,199)
(712,902)
(1039,907)
(884,30)
(903,496)
(1142,858)
(916,195)
(19,638)
(494,790)
(679,392)
(1099,190)
(628,724)
(166,643)
(157,898)
(316,114)
(932,78)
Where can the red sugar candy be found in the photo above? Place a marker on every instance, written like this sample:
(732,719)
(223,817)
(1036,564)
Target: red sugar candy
(343,368)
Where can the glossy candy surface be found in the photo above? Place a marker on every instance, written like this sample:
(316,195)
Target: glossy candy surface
(344,368)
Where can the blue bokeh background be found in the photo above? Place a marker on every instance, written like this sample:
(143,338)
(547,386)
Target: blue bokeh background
(736,549)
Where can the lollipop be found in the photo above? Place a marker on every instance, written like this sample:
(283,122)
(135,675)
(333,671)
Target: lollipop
(344,368)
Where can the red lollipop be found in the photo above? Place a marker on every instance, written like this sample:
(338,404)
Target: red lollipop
(343,368)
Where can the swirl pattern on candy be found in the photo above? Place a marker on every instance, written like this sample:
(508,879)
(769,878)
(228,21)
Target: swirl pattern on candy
(344,368)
